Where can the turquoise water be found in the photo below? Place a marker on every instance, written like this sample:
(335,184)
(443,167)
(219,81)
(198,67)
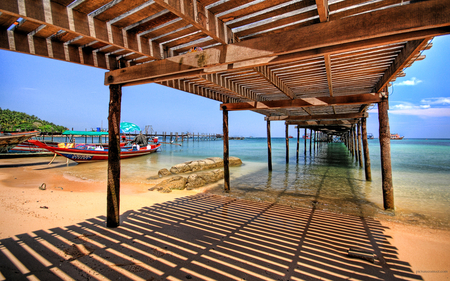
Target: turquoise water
(327,177)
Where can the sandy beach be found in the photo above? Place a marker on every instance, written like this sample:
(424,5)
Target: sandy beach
(58,233)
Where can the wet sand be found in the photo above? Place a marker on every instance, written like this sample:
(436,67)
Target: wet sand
(74,205)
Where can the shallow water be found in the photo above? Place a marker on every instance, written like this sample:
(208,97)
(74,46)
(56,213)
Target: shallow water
(326,178)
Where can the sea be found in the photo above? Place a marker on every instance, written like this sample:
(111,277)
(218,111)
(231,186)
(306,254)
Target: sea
(325,177)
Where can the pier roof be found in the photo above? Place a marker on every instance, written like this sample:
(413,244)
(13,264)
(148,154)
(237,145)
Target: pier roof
(297,61)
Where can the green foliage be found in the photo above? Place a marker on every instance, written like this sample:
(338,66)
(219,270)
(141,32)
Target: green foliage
(14,121)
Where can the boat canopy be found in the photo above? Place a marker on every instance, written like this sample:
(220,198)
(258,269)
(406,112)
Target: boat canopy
(85,133)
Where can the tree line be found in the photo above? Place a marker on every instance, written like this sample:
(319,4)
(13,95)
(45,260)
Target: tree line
(13,121)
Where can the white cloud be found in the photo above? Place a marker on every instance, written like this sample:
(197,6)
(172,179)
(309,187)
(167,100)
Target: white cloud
(423,110)
(440,100)
(414,81)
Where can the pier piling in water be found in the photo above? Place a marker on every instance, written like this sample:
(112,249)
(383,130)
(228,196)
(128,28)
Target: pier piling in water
(385,154)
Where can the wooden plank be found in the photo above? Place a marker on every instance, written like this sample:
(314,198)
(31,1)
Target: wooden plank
(388,25)
(342,100)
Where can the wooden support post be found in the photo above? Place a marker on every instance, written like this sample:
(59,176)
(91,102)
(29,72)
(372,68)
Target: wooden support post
(385,153)
(226,166)
(113,192)
(298,141)
(310,139)
(358,126)
(365,142)
(269,147)
(355,144)
(287,143)
(352,142)
(306,138)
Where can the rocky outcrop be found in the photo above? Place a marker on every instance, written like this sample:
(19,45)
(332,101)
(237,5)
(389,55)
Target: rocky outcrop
(192,181)
(166,186)
(198,165)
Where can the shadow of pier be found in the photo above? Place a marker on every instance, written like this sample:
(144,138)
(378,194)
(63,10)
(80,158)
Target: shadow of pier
(207,237)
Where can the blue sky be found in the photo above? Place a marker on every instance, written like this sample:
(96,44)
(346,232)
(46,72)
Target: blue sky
(74,96)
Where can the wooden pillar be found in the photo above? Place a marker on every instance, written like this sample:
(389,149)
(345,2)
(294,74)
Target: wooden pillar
(368,172)
(306,138)
(269,147)
(226,166)
(298,141)
(310,139)
(385,153)
(287,143)
(358,126)
(113,192)
(355,144)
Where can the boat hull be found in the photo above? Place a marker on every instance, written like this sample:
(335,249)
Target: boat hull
(85,155)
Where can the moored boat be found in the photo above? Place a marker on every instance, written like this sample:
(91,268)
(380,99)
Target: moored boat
(8,141)
(370,136)
(82,153)
(396,137)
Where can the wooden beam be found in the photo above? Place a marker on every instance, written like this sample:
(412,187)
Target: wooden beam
(194,13)
(329,76)
(321,123)
(322,9)
(272,78)
(317,117)
(408,52)
(401,23)
(326,101)
(113,190)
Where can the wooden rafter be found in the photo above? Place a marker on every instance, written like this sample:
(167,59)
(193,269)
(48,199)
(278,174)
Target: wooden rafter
(317,117)
(421,20)
(194,13)
(231,86)
(320,101)
(322,10)
(272,78)
(403,59)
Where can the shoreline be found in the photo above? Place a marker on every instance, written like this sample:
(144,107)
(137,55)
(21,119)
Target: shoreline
(70,201)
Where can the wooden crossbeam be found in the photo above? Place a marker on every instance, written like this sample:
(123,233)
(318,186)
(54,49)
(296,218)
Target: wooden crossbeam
(231,86)
(326,101)
(329,76)
(317,117)
(401,61)
(401,23)
(194,13)
(272,78)
(323,123)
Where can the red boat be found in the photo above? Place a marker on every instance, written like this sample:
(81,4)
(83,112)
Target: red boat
(82,153)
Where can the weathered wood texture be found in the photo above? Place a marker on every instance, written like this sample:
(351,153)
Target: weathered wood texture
(367,169)
(113,189)
(269,147)
(287,142)
(226,153)
(385,154)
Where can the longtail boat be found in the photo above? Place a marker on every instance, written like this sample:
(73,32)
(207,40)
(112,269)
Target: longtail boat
(8,141)
(82,153)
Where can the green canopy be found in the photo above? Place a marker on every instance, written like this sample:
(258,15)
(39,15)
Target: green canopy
(85,133)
